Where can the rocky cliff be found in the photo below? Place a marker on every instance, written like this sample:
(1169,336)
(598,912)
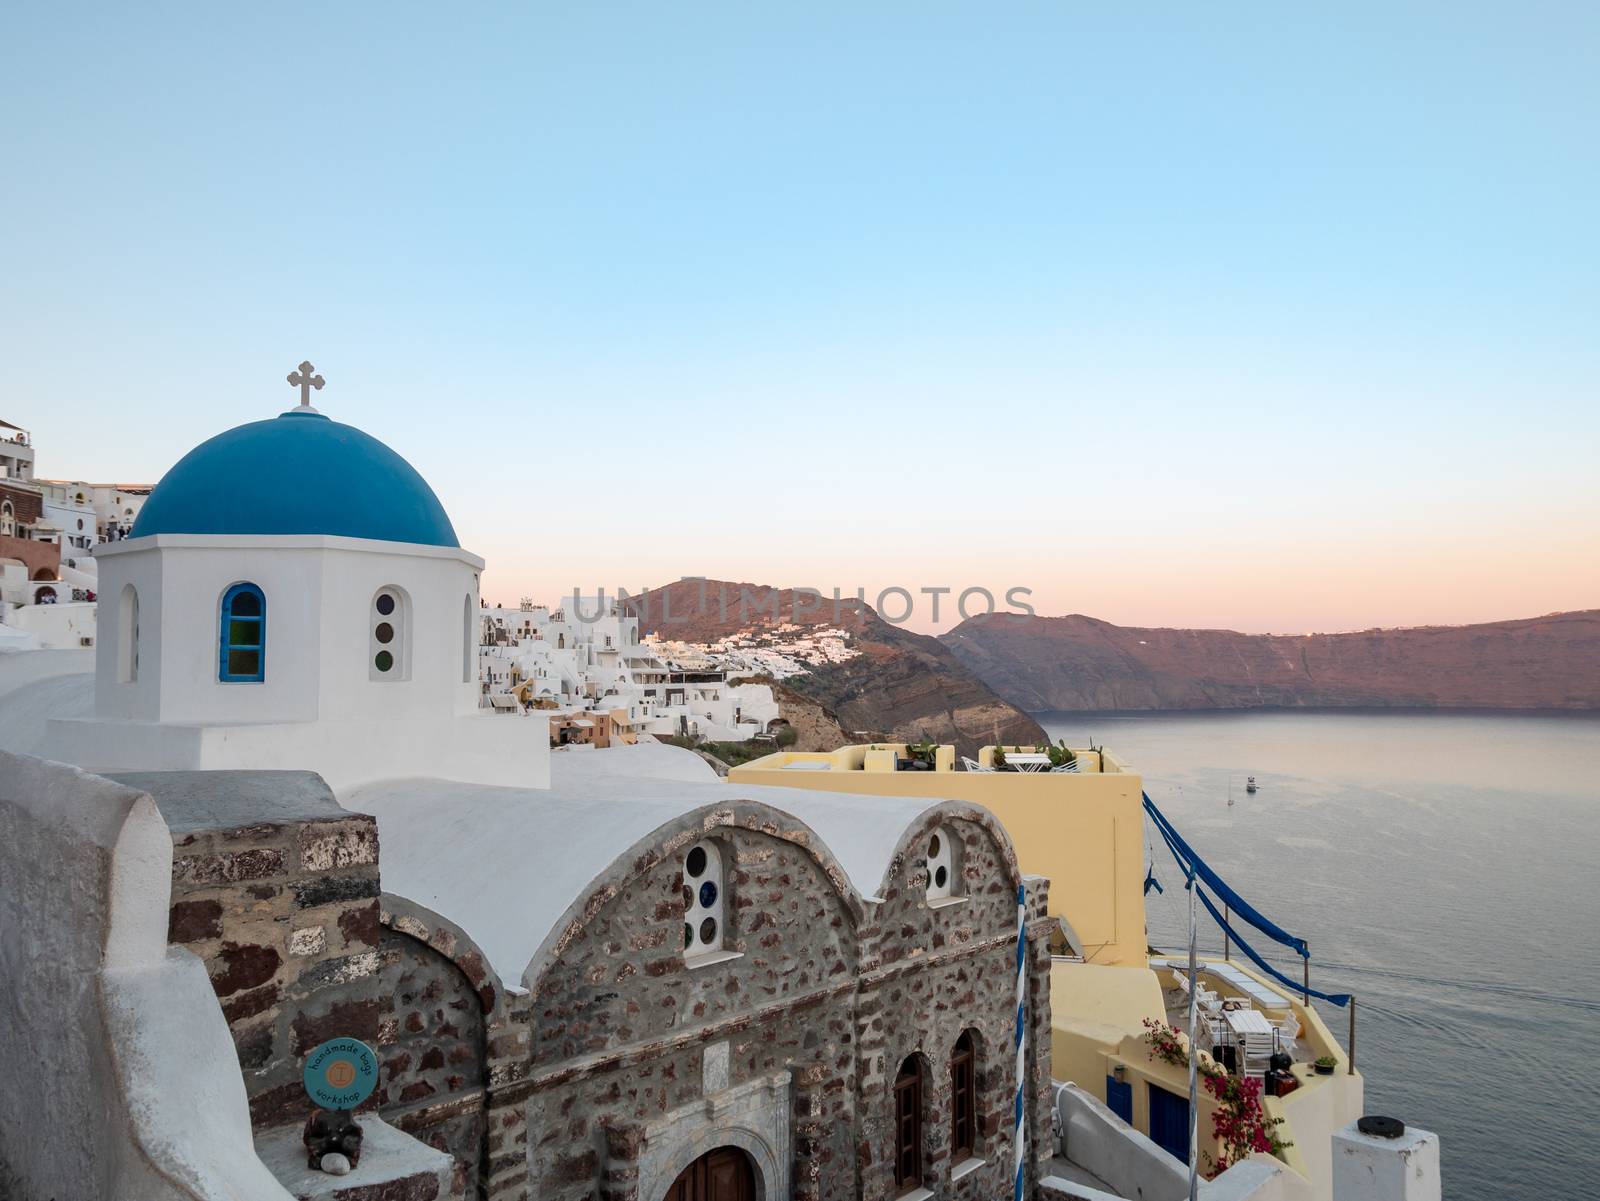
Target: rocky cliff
(902,685)
(1079,663)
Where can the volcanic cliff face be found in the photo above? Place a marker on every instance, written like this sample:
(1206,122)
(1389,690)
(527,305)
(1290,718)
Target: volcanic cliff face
(902,685)
(1079,663)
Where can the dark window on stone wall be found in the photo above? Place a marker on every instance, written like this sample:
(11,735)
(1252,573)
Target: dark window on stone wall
(963,1099)
(908,1124)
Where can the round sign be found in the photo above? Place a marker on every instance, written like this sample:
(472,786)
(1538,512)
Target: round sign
(341,1073)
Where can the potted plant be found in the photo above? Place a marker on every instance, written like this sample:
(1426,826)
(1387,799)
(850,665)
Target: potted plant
(921,756)
(1325,1065)
(1061,755)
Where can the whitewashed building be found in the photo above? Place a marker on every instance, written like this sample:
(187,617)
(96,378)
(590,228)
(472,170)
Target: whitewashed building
(537,659)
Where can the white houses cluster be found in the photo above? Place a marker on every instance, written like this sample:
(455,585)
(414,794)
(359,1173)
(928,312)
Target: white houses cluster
(592,661)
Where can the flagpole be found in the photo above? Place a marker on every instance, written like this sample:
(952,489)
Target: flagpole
(1194,1054)
(1019,1133)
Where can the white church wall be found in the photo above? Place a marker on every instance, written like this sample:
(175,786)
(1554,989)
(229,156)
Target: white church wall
(428,677)
(195,573)
(319,594)
(120,693)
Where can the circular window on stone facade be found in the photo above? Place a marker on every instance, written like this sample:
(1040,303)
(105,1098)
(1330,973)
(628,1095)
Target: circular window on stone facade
(703,900)
(941,865)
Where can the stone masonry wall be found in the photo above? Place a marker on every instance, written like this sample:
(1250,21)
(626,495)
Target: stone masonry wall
(942,970)
(432,1036)
(824,1002)
(285,916)
(621,1025)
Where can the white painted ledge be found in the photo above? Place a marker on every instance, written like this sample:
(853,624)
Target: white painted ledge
(711,959)
(966,1167)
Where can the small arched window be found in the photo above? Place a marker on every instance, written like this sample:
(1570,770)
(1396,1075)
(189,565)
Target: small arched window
(128,635)
(963,1099)
(908,1125)
(388,649)
(242,657)
(704,905)
(942,866)
(467,640)
(8,520)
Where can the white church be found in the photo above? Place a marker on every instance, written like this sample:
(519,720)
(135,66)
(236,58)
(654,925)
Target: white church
(267,606)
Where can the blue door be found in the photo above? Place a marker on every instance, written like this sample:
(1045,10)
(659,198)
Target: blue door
(1169,1122)
(1119,1097)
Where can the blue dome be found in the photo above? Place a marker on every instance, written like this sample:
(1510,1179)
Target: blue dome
(296,474)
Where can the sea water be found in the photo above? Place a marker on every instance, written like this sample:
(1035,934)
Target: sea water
(1445,868)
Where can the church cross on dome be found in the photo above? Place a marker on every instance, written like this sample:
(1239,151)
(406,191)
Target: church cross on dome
(304,379)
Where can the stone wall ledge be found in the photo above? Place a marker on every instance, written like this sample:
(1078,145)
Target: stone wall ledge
(394,1167)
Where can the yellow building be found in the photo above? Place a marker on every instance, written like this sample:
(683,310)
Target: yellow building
(1083,829)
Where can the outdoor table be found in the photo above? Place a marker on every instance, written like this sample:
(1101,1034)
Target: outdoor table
(1028,761)
(1248,1021)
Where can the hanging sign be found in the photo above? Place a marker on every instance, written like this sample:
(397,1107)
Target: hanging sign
(341,1073)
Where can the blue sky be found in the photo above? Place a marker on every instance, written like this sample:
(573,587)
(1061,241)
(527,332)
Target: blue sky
(1176,316)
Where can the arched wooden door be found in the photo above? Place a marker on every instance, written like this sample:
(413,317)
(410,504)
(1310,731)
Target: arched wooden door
(721,1175)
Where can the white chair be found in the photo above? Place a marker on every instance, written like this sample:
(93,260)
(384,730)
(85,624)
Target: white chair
(1257,1052)
(973,765)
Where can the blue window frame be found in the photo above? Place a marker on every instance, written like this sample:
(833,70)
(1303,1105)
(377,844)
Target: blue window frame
(242,643)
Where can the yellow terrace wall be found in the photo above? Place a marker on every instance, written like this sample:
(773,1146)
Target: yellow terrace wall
(1084,831)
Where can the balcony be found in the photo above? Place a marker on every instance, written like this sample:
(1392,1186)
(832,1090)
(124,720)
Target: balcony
(923,757)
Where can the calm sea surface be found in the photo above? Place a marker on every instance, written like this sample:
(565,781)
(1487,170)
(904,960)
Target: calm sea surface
(1445,868)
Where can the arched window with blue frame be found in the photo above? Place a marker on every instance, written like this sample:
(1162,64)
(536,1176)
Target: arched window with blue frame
(242,657)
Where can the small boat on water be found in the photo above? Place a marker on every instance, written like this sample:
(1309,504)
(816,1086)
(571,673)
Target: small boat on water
(1249,783)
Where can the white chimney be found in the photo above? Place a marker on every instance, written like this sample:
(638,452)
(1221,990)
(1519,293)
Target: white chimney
(1381,1159)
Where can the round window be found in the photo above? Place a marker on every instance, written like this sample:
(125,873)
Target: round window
(708,930)
(383,661)
(933,847)
(688,935)
(708,895)
(941,878)
(385,603)
(695,865)
(384,632)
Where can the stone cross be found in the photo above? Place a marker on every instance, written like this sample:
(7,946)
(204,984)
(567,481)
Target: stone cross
(305,381)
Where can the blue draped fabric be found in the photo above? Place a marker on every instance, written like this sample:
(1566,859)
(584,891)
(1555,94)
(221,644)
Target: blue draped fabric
(1192,865)
(1337,998)
(1150,882)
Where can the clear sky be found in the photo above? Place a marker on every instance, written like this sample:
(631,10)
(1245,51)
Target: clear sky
(1175,314)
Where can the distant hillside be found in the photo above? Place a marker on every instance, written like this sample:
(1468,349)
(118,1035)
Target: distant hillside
(1079,663)
(903,684)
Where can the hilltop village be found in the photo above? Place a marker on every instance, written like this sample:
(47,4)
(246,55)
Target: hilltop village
(291,787)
